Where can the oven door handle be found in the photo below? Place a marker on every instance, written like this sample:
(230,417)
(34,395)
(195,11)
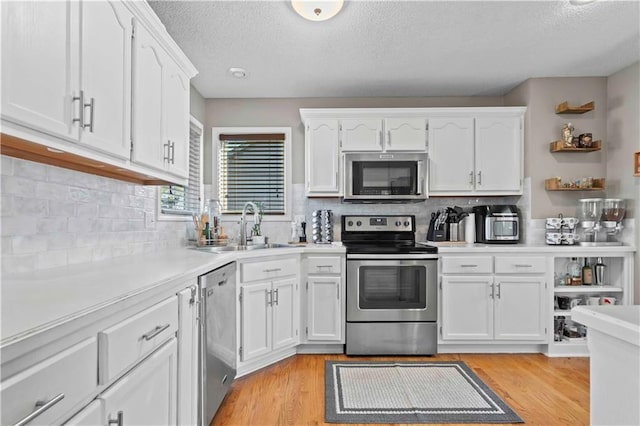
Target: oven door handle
(392,256)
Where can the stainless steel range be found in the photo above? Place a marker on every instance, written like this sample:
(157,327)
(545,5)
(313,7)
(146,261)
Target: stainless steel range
(391,287)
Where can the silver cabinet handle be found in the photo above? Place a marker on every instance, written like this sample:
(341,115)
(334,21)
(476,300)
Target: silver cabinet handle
(41,406)
(324,266)
(389,137)
(272,270)
(480,177)
(276,298)
(498,291)
(91,106)
(522,265)
(173,152)
(492,295)
(167,156)
(80,119)
(380,138)
(471,178)
(153,333)
(119,420)
(269,297)
(468,266)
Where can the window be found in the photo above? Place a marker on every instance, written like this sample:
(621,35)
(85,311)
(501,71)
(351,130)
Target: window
(176,202)
(253,164)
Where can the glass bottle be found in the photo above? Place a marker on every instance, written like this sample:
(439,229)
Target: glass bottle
(587,273)
(575,271)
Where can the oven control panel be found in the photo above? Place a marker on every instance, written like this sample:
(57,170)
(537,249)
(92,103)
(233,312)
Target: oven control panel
(378,223)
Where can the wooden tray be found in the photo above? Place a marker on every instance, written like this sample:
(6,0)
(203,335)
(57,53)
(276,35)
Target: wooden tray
(558,146)
(565,108)
(554,184)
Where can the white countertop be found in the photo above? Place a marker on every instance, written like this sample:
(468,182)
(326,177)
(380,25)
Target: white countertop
(620,321)
(39,300)
(576,250)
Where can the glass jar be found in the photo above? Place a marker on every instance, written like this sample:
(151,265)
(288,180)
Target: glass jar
(575,271)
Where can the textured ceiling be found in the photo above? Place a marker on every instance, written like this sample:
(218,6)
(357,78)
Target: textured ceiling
(399,48)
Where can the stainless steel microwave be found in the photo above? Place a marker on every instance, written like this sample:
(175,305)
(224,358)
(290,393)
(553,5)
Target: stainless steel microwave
(385,177)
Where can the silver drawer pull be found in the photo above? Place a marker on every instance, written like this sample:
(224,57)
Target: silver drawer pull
(41,406)
(272,270)
(153,333)
(119,420)
(522,265)
(468,266)
(324,266)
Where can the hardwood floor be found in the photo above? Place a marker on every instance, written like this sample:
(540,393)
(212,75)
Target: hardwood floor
(541,390)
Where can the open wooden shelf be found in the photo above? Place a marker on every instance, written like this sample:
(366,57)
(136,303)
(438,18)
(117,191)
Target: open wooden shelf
(565,108)
(636,164)
(555,184)
(558,146)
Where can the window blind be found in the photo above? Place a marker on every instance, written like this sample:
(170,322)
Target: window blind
(252,168)
(183,200)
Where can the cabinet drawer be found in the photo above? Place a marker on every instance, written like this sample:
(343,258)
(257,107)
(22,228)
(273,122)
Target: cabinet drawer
(71,373)
(467,265)
(324,264)
(520,264)
(260,271)
(125,343)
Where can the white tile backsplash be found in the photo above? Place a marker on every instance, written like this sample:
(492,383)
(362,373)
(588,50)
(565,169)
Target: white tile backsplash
(54,217)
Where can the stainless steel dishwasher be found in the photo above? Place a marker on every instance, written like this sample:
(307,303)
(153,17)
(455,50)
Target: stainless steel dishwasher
(217,359)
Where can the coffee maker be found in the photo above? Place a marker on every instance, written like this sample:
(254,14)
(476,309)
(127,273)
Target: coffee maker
(600,221)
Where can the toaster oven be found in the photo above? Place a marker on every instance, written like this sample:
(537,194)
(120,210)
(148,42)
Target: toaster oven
(497,224)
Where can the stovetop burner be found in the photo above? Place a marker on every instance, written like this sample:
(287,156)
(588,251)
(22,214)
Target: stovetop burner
(389,234)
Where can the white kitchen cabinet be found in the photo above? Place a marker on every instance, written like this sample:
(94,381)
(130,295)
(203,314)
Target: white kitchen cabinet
(324,308)
(68,71)
(405,134)
(176,109)
(188,356)
(269,317)
(476,155)
(147,394)
(323,167)
(92,414)
(483,302)
(384,134)
(361,134)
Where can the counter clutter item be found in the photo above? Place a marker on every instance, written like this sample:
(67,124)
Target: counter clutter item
(561,230)
(322,226)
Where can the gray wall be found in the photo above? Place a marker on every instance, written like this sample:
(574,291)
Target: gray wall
(285,112)
(543,125)
(197,105)
(623,131)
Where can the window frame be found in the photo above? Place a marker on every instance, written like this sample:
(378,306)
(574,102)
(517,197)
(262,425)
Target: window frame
(185,217)
(288,184)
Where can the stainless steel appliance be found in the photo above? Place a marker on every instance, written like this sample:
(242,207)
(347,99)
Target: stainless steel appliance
(497,224)
(392,303)
(217,361)
(375,176)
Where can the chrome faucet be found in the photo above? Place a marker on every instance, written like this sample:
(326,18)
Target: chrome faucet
(243,221)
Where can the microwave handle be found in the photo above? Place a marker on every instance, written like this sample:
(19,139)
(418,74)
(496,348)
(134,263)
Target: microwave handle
(420,178)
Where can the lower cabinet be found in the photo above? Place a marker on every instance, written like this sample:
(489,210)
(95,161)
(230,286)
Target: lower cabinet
(496,304)
(324,307)
(269,317)
(147,394)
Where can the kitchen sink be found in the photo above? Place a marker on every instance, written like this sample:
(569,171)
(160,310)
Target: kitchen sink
(222,249)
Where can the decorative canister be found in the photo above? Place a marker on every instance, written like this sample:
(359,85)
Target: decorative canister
(322,226)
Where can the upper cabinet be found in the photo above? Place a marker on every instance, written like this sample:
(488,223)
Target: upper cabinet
(75,85)
(476,155)
(388,134)
(323,167)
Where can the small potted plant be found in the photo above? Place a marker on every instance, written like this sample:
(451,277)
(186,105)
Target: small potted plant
(258,238)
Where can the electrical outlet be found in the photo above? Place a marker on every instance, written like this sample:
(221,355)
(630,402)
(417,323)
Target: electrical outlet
(149,220)
(300,218)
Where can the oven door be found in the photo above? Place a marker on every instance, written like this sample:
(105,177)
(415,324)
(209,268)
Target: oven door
(385,288)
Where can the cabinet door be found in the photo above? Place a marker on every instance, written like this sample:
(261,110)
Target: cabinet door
(256,320)
(149,146)
(39,78)
(324,313)
(286,315)
(451,157)
(519,308)
(499,155)
(405,134)
(187,357)
(467,308)
(177,118)
(90,415)
(323,157)
(147,394)
(105,64)
(361,134)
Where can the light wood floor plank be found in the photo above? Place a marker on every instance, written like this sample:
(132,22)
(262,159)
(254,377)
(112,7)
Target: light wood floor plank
(543,391)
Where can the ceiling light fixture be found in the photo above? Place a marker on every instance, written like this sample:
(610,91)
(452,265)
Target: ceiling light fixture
(317,10)
(238,72)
